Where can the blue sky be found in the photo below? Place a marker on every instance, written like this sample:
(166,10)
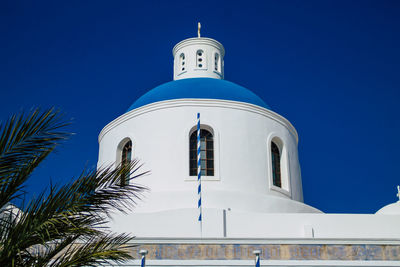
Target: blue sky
(330,67)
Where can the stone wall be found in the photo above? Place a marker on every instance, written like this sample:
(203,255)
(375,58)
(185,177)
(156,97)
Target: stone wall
(269,252)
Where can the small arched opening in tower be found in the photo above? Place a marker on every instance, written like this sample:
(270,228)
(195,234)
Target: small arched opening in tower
(182,62)
(200,59)
(217,62)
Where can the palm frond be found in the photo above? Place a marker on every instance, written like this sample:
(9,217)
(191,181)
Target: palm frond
(46,231)
(25,141)
(79,208)
(102,249)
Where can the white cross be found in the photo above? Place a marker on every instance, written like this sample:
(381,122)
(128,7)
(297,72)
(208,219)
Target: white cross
(198,29)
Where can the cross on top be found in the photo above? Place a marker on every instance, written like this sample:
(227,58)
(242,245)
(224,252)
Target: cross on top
(398,192)
(198,29)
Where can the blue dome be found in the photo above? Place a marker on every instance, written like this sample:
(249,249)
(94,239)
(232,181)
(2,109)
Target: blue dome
(205,88)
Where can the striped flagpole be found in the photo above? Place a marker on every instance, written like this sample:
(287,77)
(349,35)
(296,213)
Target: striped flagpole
(199,171)
(143,262)
(143,252)
(257,253)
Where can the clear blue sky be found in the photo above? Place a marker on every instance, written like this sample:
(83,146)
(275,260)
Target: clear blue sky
(332,68)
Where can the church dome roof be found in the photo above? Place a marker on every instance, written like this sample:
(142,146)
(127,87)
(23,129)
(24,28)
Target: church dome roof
(199,88)
(390,209)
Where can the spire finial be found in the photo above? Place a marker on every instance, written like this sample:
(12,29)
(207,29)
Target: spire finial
(198,29)
(398,192)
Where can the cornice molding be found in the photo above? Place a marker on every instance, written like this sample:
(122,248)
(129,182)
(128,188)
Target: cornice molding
(229,104)
(273,241)
(199,41)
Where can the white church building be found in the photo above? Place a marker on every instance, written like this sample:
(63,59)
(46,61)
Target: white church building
(251,188)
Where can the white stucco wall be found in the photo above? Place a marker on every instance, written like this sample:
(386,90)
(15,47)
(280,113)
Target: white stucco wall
(217,223)
(242,135)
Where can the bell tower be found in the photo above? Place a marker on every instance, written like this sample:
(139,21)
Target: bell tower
(198,58)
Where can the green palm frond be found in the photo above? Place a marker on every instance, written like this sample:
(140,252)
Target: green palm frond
(98,250)
(67,226)
(25,141)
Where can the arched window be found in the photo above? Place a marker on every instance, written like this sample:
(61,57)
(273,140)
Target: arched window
(200,59)
(126,157)
(276,165)
(206,154)
(182,62)
(217,63)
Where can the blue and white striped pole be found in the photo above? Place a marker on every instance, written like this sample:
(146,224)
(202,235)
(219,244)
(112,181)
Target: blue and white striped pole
(199,171)
(143,252)
(257,253)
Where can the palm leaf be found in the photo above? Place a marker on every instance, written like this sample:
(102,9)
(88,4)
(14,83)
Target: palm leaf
(102,249)
(46,231)
(25,141)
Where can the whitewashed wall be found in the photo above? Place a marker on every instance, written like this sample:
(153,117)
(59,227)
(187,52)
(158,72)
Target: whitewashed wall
(182,223)
(242,135)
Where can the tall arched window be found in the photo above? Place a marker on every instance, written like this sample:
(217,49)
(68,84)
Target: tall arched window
(276,165)
(126,157)
(206,154)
